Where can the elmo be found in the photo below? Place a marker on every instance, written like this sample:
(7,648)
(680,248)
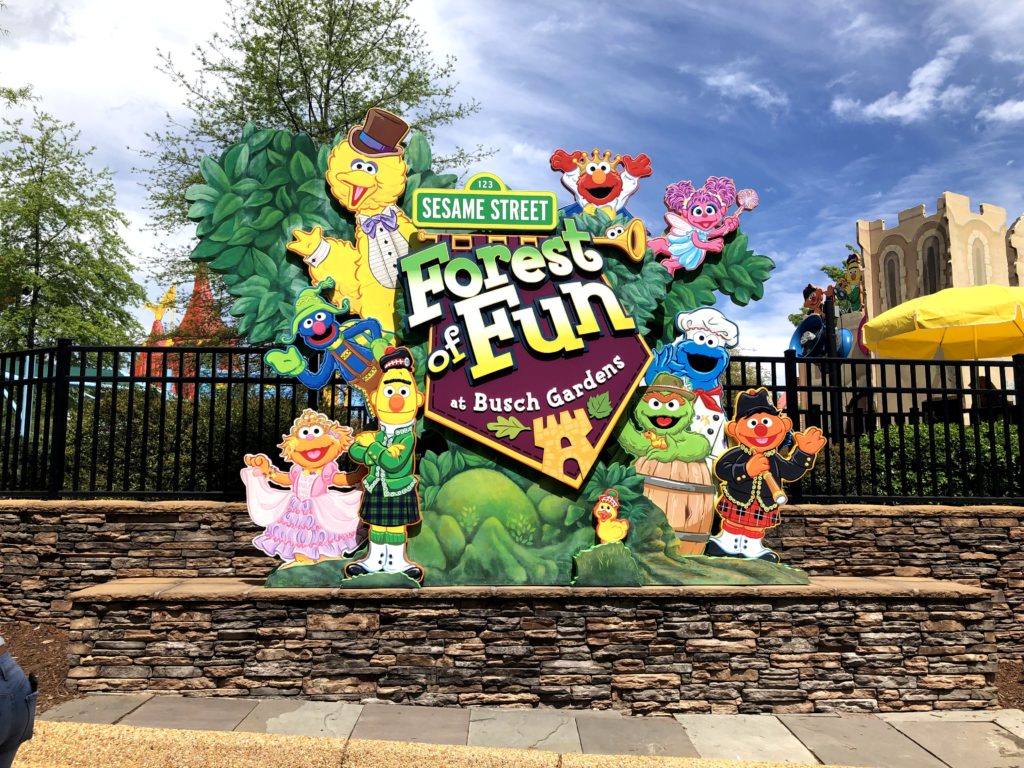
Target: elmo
(599,181)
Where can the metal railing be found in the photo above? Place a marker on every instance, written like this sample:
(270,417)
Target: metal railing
(901,431)
(175,422)
(147,421)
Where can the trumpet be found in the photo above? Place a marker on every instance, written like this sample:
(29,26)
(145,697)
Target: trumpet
(630,239)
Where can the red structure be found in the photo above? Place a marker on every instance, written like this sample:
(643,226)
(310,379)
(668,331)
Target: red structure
(200,326)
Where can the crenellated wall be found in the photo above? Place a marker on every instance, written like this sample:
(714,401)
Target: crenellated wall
(955,231)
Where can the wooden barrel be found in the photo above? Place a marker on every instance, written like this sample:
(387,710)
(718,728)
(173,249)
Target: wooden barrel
(684,491)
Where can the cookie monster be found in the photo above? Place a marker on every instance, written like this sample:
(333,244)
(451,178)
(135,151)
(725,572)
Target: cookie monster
(700,355)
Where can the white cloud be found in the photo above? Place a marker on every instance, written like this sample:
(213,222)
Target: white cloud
(866,33)
(1011,111)
(735,82)
(994,25)
(925,93)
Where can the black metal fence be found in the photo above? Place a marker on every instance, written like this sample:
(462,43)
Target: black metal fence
(901,431)
(146,421)
(175,422)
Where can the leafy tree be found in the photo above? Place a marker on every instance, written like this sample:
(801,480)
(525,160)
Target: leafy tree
(305,67)
(64,268)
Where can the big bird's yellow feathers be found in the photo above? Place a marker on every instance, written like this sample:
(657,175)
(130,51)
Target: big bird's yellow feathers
(369,184)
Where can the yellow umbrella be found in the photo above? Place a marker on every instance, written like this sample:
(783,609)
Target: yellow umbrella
(972,323)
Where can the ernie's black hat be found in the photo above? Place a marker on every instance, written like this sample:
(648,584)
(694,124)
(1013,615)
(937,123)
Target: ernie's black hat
(396,358)
(754,401)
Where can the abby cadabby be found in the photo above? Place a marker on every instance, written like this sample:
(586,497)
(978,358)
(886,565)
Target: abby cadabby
(698,219)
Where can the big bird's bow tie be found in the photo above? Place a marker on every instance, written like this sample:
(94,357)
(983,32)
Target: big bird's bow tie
(387,219)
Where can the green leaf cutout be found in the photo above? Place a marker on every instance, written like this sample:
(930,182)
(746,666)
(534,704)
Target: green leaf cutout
(507,426)
(599,406)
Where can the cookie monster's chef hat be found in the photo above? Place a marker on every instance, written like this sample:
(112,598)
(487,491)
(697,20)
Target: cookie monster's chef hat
(754,401)
(309,302)
(710,320)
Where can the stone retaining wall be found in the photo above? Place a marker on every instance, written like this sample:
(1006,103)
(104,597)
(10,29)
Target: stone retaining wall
(48,549)
(51,548)
(836,645)
(981,545)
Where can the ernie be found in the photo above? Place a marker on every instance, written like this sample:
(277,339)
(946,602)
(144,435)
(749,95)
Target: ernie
(390,501)
(752,473)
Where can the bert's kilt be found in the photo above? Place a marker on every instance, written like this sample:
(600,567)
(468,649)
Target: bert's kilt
(389,511)
(749,517)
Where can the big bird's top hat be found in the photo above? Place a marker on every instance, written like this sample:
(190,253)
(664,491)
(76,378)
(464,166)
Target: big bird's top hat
(379,135)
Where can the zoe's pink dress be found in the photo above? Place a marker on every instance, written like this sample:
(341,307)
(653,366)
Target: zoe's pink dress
(308,519)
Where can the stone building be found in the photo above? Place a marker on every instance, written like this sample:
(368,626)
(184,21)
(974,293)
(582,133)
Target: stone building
(952,247)
(924,253)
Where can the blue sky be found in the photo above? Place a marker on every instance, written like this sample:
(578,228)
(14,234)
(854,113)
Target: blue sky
(832,111)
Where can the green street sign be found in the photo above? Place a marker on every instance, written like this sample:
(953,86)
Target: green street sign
(485,203)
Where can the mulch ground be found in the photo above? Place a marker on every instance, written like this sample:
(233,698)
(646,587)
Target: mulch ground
(41,649)
(1010,684)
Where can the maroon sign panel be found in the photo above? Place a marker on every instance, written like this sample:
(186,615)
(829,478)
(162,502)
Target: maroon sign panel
(531,352)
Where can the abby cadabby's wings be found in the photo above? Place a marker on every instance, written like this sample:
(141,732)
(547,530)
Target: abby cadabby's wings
(677,225)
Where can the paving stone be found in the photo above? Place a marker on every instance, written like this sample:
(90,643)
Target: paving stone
(744,737)
(101,709)
(195,714)
(302,718)
(949,716)
(547,729)
(858,741)
(427,725)
(1012,720)
(967,745)
(634,736)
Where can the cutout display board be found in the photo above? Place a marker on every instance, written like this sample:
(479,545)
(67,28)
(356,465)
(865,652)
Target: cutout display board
(545,382)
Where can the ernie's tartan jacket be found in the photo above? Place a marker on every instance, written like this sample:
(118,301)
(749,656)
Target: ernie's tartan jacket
(742,490)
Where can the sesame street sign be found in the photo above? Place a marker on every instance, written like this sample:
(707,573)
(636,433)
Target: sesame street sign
(531,351)
(485,203)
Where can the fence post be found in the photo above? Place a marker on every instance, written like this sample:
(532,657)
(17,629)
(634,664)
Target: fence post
(314,360)
(1018,388)
(59,424)
(792,403)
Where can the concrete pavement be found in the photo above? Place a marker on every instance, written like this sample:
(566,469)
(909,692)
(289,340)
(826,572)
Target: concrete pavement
(989,739)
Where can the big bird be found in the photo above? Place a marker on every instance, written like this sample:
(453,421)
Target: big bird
(366,174)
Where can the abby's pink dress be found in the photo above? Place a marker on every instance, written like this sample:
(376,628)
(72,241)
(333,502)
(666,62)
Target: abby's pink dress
(308,519)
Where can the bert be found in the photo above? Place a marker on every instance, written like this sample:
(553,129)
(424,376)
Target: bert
(390,502)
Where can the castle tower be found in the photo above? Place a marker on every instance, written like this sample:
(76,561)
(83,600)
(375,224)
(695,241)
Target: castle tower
(922,254)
